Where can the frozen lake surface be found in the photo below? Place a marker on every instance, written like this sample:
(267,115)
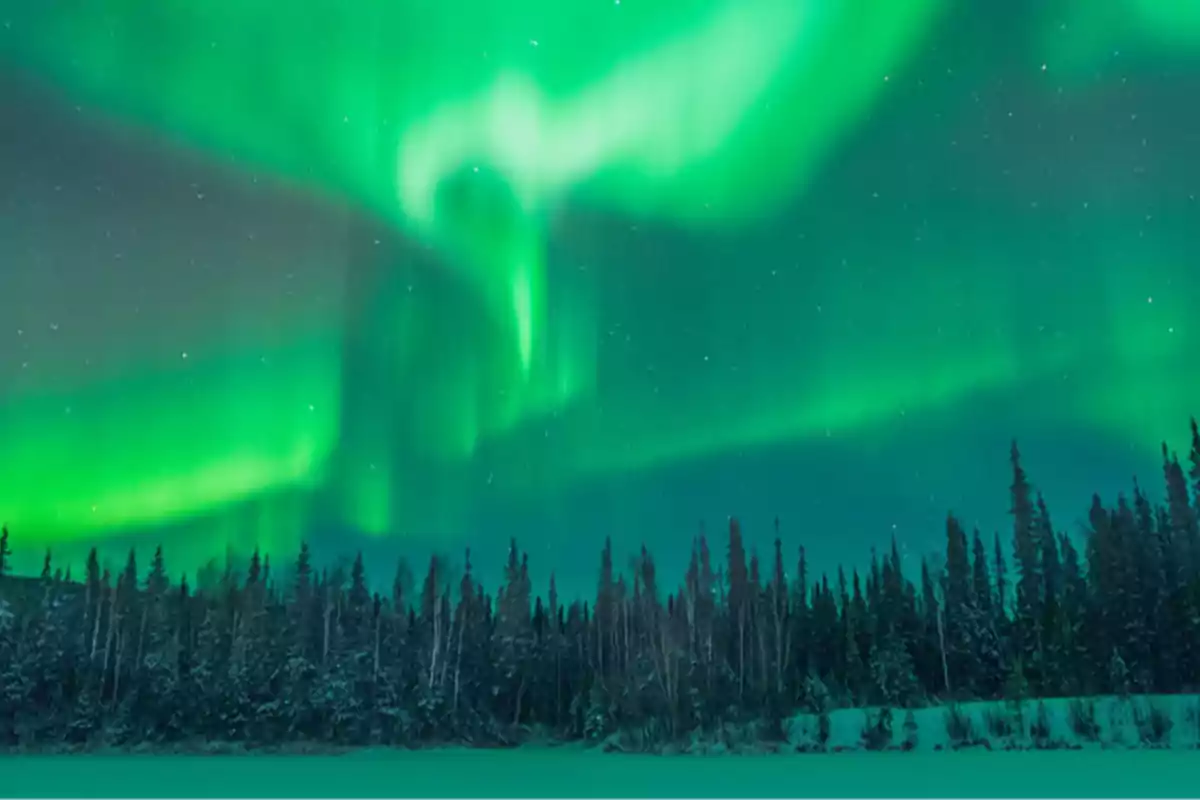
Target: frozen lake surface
(569,772)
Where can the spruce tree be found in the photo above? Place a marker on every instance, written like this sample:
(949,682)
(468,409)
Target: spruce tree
(1074,664)
(800,631)
(1184,525)
(604,610)
(5,552)
(1026,552)
(958,567)
(1049,623)
(157,582)
(958,605)
(1001,568)
(779,616)
(931,662)
(981,584)
(1145,571)
(739,602)
(1195,459)
(359,609)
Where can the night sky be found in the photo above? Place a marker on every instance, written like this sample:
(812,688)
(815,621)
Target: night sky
(401,277)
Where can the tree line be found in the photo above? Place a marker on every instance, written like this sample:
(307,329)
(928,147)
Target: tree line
(132,658)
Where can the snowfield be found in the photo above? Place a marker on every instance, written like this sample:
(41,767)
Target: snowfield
(1137,747)
(574,772)
(1140,721)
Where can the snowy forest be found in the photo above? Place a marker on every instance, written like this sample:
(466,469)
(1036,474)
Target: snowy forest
(134,659)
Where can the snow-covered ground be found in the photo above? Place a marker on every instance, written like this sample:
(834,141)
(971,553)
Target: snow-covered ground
(1168,721)
(1137,747)
(573,772)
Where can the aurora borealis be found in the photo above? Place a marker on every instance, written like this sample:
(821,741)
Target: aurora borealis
(392,274)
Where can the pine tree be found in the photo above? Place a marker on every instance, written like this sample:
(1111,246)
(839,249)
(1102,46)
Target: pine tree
(513,639)
(1001,568)
(1026,551)
(1145,571)
(605,610)
(929,661)
(987,642)
(1074,604)
(1195,459)
(958,606)
(359,608)
(958,566)
(1047,541)
(981,583)
(779,615)
(1129,601)
(800,630)
(893,598)
(853,623)
(1102,585)
(433,625)
(739,602)
(157,582)
(5,552)
(1184,525)
(402,582)
(1049,623)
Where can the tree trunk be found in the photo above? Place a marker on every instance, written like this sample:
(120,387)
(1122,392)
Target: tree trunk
(693,643)
(96,623)
(778,656)
(763,666)
(108,639)
(741,650)
(558,697)
(435,650)
(941,627)
(520,699)
(375,663)
(325,636)
(624,637)
(454,620)
(787,654)
(141,636)
(599,663)
(121,639)
(458,660)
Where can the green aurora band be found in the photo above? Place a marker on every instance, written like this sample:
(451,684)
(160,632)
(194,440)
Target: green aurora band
(472,128)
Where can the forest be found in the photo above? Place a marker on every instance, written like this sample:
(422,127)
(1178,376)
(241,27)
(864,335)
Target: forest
(320,660)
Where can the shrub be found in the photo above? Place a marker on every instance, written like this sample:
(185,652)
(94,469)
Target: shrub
(1191,715)
(1120,717)
(1154,725)
(774,724)
(817,697)
(959,729)
(877,729)
(1039,731)
(1000,723)
(910,731)
(824,729)
(1083,720)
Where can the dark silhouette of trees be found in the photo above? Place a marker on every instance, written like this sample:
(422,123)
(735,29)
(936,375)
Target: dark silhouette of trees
(5,552)
(1026,622)
(131,657)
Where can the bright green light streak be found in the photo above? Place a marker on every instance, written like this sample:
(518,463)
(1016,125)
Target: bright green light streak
(143,450)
